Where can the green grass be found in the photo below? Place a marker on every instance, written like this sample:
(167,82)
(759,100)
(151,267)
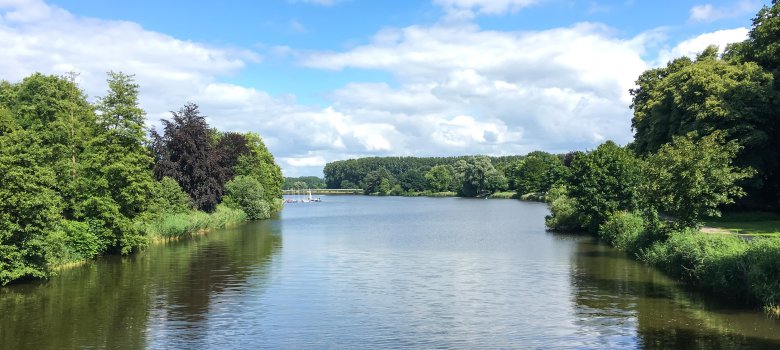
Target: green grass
(759,224)
(188,223)
(504,195)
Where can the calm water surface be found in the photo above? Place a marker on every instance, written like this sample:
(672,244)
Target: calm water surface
(368,272)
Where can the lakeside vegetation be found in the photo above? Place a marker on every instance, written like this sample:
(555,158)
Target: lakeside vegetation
(466,176)
(83,179)
(706,139)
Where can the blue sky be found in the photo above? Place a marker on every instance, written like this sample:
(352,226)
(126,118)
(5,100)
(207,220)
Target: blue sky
(323,80)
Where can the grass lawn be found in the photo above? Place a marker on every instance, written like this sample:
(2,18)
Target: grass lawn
(747,223)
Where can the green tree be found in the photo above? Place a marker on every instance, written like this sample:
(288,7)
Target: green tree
(537,173)
(413,180)
(440,178)
(710,94)
(764,37)
(691,177)
(260,164)
(604,181)
(115,166)
(477,177)
(246,193)
(379,182)
(169,198)
(30,207)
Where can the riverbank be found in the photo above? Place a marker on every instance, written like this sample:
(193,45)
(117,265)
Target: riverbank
(728,266)
(176,227)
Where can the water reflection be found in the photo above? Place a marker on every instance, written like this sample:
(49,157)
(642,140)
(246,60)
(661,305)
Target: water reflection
(173,295)
(367,272)
(624,302)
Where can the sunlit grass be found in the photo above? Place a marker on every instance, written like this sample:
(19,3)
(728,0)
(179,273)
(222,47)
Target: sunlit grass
(186,224)
(761,224)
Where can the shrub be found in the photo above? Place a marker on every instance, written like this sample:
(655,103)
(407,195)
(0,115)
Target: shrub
(563,215)
(171,198)
(246,193)
(710,261)
(763,270)
(80,240)
(622,230)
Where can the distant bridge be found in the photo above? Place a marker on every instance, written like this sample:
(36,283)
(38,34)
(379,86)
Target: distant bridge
(325,191)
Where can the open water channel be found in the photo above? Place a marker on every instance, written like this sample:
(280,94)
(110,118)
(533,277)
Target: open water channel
(376,272)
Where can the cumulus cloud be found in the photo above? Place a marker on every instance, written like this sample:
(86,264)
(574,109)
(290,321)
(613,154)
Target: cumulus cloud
(696,45)
(710,13)
(464,89)
(39,37)
(458,89)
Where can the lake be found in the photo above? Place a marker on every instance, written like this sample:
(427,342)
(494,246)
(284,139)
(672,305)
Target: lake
(376,272)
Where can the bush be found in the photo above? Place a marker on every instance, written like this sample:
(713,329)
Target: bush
(622,230)
(563,215)
(81,240)
(246,193)
(170,198)
(710,261)
(763,270)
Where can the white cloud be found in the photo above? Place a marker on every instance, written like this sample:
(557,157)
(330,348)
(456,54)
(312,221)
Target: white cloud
(38,37)
(313,161)
(467,90)
(458,89)
(710,13)
(466,9)
(696,45)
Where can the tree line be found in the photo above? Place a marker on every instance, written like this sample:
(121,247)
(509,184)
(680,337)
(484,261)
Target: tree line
(82,179)
(466,175)
(303,182)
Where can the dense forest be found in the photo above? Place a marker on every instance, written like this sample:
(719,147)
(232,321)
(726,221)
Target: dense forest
(303,182)
(466,175)
(82,179)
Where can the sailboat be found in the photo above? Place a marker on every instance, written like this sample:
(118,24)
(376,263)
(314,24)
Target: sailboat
(312,199)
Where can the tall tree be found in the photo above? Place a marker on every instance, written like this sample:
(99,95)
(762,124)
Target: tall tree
(231,146)
(29,206)
(477,177)
(440,178)
(186,154)
(603,181)
(260,164)
(117,181)
(690,178)
(712,94)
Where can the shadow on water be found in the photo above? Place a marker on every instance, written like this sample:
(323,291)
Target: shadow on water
(624,300)
(132,302)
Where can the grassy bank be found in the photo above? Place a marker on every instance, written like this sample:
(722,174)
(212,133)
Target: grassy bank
(167,228)
(743,271)
(504,195)
(181,225)
(757,224)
